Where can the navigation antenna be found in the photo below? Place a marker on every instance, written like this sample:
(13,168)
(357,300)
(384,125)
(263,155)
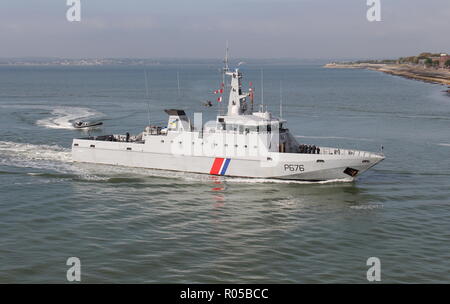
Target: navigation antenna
(281,99)
(147,96)
(262,90)
(178,83)
(225,70)
(226,58)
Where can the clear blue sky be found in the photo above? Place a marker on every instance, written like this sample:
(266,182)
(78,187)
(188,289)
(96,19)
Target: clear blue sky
(199,28)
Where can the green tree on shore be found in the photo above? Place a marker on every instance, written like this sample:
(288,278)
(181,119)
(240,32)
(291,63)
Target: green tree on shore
(428,62)
(447,63)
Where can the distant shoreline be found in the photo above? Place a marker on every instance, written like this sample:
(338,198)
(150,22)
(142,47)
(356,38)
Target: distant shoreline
(429,75)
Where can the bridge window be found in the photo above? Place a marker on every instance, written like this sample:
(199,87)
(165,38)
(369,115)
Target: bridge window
(253,129)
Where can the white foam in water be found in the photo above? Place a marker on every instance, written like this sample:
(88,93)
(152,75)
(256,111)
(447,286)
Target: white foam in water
(34,152)
(443,145)
(46,157)
(283,181)
(63,117)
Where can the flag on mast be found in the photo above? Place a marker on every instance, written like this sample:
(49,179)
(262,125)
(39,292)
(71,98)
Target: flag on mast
(219,91)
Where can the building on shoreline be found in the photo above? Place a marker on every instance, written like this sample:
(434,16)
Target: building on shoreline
(443,59)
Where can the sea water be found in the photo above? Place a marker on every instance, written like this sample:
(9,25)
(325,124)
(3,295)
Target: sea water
(137,225)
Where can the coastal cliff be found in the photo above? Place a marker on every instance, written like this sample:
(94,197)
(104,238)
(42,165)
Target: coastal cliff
(441,76)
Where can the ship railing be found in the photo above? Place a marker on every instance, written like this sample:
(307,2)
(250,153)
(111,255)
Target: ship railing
(345,152)
(117,138)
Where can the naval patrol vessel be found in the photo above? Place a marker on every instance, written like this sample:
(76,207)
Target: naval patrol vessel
(243,142)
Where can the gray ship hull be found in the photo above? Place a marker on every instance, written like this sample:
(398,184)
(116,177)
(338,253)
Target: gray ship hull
(328,165)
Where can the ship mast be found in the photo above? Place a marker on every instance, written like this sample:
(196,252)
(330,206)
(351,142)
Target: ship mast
(226,60)
(147,96)
(178,83)
(225,70)
(281,100)
(262,90)
(237,104)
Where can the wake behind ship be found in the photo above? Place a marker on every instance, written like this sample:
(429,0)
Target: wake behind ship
(240,143)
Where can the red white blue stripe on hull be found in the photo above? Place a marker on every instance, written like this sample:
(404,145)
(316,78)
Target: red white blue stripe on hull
(220,166)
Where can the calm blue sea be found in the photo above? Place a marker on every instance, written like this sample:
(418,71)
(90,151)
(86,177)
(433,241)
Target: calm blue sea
(132,225)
